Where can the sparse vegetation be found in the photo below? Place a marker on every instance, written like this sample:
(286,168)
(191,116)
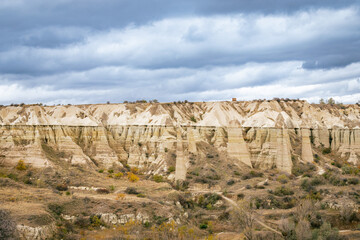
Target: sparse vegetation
(132,177)
(21,165)
(158,178)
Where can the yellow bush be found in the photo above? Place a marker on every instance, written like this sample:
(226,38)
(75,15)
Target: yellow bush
(134,170)
(118,175)
(120,196)
(21,165)
(132,177)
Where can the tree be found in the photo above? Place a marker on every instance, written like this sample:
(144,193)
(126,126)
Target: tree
(287,227)
(331,101)
(245,216)
(303,230)
(304,210)
(321,101)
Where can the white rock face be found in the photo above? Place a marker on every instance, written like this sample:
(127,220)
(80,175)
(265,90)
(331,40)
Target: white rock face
(258,134)
(36,233)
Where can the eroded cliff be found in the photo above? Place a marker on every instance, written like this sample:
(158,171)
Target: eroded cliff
(256,134)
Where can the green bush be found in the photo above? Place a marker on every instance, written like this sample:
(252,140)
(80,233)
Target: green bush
(347,169)
(192,118)
(95,221)
(282,178)
(301,169)
(102,191)
(326,151)
(208,198)
(307,186)
(131,190)
(252,174)
(230,182)
(283,191)
(55,208)
(171,169)
(141,195)
(353,181)
(158,178)
(62,187)
(203,226)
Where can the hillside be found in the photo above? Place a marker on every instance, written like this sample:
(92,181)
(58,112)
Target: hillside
(188,164)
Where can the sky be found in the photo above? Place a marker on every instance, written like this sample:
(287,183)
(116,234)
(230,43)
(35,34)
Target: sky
(94,51)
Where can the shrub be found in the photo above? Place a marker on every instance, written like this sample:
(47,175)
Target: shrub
(102,191)
(62,187)
(208,198)
(131,190)
(118,175)
(301,169)
(7,226)
(95,221)
(230,182)
(353,181)
(111,171)
(132,177)
(171,169)
(158,178)
(326,232)
(316,181)
(21,165)
(141,195)
(282,178)
(347,169)
(192,118)
(120,196)
(55,208)
(203,226)
(112,188)
(82,222)
(283,191)
(326,151)
(252,174)
(134,170)
(101,170)
(306,186)
(240,196)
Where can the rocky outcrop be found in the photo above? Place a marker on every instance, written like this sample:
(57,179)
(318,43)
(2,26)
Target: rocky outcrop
(306,150)
(36,233)
(236,147)
(259,134)
(180,170)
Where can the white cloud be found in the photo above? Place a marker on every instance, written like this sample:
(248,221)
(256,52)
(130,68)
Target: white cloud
(196,58)
(219,83)
(191,39)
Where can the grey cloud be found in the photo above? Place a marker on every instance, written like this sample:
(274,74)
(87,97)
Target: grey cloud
(93,51)
(199,42)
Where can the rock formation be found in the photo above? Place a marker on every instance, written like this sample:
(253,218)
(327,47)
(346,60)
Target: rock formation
(259,134)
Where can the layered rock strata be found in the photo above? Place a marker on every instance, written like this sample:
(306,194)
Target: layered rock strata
(257,134)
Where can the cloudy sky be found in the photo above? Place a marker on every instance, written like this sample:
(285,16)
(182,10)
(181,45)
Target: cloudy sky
(93,51)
